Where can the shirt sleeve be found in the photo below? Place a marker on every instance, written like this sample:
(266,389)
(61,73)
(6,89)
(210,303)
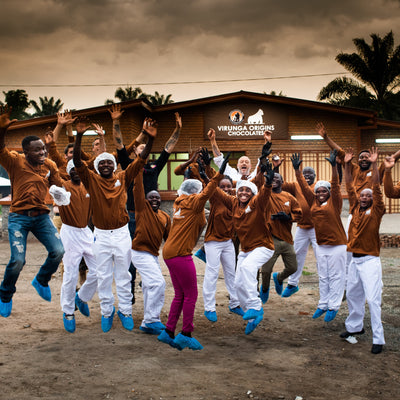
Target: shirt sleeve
(305,188)
(123,158)
(391,191)
(138,192)
(161,161)
(133,169)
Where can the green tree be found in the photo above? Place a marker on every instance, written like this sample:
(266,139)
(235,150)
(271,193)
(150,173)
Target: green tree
(18,100)
(126,94)
(47,106)
(158,99)
(376,67)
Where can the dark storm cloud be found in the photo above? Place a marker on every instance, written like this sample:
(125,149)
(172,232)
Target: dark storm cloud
(253,24)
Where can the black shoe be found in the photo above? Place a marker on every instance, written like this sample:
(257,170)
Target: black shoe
(345,335)
(377,348)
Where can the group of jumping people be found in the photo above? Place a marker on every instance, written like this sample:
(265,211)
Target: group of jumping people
(111,218)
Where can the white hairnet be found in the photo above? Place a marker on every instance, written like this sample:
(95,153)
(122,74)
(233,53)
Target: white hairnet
(70,165)
(102,157)
(190,186)
(324,184)
(248,184)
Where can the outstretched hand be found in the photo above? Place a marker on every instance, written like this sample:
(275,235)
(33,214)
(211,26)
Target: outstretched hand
(296,161)
(266,150)
(332,157)
(115,111)
(98,129)
(48,138)
(211,134)
(268,173)
(5,121)
(348,155)
(178,120)
(65,118)
(389,162)
(82,125)
(205,155)
(321,130)
(224,163)
(373,154)
(150,127)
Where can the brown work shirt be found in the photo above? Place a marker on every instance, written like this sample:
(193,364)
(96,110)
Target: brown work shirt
(294,189)
(29,183)
(326,216)
(220,223)
(364,225)
(250,222)
(285,202)
(151,226)
(188,221)
(391,191)
(108,195)
(78,212)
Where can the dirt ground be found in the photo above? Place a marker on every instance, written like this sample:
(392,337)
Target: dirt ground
(288,355)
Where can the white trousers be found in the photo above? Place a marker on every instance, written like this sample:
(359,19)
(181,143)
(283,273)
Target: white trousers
(153,285)
(77,243)
(112,249)
(246,276)
(302,240)
(364,282)
(216,253)
(331,264)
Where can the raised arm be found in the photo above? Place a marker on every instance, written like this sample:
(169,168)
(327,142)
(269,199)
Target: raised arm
(373,158)
(150,130)
(213,142)
(63,120)
(82,126)
(349,178)
(116,113)
(307,192)
(322,132)
(5,123)
(171,142)
(391,191)
(100,133)
(180,169)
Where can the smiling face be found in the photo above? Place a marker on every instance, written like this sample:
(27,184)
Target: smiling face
(277,183)
(96,147)
(244,194)
(322,194)
(226,185)
(365,199)
(106,168)
(363,160)
(244,165)
(35,152)
(154,199)
(309,175)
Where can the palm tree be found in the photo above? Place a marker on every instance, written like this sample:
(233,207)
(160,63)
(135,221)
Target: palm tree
(127,94)
(47,106)
(18,100)
(159,99)
(377,67)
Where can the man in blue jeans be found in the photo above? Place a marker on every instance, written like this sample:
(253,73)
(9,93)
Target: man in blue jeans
(31,175)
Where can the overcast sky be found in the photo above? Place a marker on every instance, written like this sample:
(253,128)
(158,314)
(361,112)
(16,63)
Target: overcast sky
(138,42)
